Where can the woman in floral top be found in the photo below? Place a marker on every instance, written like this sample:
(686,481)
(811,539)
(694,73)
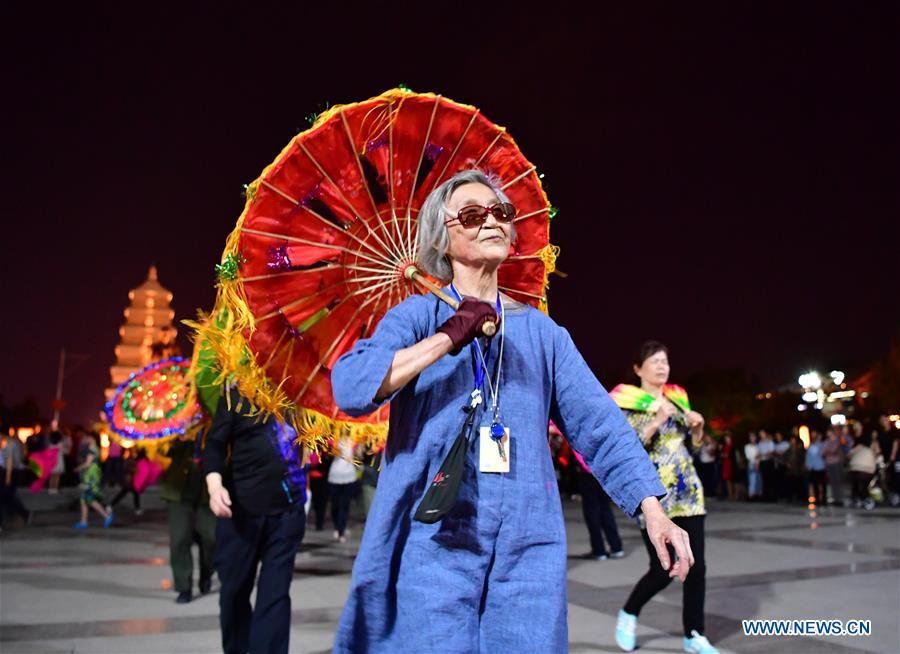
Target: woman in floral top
(664,430)
(91,475)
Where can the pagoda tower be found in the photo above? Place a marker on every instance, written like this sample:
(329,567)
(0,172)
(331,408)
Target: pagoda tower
(147,333)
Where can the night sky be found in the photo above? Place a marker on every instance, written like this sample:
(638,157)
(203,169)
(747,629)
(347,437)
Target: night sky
(726,172)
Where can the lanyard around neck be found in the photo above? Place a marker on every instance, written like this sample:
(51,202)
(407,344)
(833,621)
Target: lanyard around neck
(481,367)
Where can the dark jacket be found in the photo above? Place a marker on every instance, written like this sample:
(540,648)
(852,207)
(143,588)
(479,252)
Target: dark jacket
(258,460)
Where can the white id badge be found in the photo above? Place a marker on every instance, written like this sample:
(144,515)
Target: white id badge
(490,459)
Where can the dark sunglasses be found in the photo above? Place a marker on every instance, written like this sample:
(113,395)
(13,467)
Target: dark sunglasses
(474,215)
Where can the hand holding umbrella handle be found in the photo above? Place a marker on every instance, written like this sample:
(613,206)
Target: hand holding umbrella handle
(412,273)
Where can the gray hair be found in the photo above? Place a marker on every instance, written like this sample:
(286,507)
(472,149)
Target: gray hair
(433,240)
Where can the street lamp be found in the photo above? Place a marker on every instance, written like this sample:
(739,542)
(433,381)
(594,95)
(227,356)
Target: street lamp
(810,381)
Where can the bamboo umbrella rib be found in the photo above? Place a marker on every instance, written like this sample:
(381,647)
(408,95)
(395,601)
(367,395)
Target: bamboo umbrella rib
(318,216)
(412,190)
(390,162)
(346,201)
(399,232)
(384,269)
(327,246)
(274,350)
(391,173)
(372,287)
(269,185)
(375,270)
(362,175)
(415,250)
(375,277)
(518,292)
(287,359)
(530,214)
(331,348)
(299,302)
(489,148)
(370,320)
(518,178)
(374,311)
(437,180)
(283,273)
(318,367)
(365,182)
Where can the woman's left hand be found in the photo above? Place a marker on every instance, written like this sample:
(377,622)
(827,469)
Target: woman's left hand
(694,420)
(663,532)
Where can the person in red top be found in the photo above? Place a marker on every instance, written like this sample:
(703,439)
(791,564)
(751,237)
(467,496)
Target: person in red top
(726,464)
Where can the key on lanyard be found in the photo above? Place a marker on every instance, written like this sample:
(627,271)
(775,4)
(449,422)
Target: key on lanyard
(498,432)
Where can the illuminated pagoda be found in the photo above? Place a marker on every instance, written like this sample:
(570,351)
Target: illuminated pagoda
(148,333)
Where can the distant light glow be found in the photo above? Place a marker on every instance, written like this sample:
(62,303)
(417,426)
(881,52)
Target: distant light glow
(837,377)
(810,380)
(24,433)
(838,419)
(801,407)
(803,433)
(810,396)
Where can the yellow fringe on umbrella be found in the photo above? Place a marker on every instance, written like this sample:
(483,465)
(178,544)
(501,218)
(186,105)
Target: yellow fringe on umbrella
(548,254)
(238,365)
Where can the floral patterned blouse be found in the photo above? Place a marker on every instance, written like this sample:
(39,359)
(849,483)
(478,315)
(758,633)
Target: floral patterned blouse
(673,463)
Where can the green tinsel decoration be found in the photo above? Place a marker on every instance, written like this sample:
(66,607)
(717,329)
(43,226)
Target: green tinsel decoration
(404,87)
(227,271)
(313,116)
(249,191)
(551,213)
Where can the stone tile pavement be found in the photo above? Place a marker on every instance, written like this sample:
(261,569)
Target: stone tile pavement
(110,590)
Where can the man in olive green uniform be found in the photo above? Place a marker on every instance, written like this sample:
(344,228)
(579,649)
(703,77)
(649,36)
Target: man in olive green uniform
(187,504)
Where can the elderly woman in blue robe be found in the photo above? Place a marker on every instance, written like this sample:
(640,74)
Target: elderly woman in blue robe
(491,575)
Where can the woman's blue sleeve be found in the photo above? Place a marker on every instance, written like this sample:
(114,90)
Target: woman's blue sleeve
(358,374)
(597,429)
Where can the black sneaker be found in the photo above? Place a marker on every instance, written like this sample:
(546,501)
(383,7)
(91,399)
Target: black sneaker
(184,597)
(205,586)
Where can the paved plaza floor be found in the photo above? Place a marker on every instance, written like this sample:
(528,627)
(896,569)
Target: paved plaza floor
(110,590)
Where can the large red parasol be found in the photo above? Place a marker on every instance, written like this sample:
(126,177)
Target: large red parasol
(325,242)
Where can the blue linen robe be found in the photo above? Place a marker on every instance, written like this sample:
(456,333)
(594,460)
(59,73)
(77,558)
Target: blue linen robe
(491,576)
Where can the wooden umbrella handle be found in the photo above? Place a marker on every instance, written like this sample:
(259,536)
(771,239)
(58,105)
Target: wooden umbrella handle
(413,274)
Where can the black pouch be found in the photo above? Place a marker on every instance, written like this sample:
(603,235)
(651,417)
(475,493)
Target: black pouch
(441,496)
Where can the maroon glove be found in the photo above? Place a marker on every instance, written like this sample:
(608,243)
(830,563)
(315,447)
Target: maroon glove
(464,325)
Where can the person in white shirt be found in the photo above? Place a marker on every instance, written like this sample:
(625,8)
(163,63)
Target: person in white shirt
(767,465)
(707,469)
(342,487)
(862,469)
(754,481)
